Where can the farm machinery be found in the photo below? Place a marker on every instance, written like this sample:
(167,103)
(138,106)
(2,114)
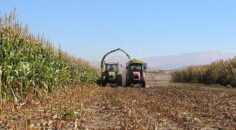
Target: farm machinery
(136,72)
(113,72)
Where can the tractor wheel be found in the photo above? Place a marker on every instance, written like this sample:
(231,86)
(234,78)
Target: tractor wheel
(119,80)
(128,83)
(144,84)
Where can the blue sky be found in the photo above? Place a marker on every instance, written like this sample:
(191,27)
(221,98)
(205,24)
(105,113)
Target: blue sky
(89,28)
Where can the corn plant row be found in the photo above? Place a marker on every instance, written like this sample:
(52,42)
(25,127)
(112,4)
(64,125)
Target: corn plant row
(220,72)
(31,64)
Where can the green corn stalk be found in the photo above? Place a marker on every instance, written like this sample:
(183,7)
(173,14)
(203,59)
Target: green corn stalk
(30,63)
(220,72)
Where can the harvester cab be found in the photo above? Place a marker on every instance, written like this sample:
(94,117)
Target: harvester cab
(111,74)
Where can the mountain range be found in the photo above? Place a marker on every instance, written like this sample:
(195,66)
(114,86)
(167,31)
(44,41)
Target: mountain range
(176,61)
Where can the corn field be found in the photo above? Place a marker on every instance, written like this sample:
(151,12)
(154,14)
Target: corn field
(29,63)
(220,72)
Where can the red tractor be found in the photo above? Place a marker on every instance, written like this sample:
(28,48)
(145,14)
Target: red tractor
(136,72)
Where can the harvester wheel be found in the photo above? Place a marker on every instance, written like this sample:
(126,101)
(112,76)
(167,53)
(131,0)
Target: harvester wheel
(99,82)
(119,80)
(104,83)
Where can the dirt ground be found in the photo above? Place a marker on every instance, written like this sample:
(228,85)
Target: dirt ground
(162,105)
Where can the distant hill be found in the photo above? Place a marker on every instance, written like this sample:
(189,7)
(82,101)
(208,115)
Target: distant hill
(174,61)
(187,59)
